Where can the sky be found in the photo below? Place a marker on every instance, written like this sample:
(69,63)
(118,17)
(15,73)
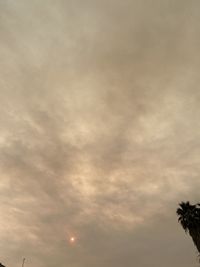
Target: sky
(99,131)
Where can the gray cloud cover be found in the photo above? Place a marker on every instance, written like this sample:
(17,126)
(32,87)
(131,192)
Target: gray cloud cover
(99,131)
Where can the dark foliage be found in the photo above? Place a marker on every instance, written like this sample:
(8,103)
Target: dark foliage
(189,218)
(189,215)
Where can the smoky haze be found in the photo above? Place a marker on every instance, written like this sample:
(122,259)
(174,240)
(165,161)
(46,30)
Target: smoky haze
(99,132)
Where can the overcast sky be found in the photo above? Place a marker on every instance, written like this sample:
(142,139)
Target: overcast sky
(99,131)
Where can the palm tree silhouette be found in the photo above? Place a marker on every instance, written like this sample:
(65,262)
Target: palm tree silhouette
(189,218)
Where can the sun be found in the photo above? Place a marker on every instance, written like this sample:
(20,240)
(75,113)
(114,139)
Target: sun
(72,239)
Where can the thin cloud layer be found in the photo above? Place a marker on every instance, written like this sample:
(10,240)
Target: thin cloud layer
(99,131)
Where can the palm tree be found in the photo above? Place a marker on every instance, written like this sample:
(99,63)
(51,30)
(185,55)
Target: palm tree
(189,218)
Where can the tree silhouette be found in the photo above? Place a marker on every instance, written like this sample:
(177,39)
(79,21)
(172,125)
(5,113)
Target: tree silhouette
(189,218)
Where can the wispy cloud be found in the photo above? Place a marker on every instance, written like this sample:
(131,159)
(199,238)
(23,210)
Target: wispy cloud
(99,131)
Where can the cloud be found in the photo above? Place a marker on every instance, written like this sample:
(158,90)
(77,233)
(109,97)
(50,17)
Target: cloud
(99,131)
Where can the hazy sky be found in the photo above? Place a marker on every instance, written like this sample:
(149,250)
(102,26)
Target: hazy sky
(99,131)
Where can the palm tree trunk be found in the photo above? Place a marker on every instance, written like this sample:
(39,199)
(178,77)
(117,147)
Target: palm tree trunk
(195,234)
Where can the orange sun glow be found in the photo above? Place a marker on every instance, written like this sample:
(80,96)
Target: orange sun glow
(72,239)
